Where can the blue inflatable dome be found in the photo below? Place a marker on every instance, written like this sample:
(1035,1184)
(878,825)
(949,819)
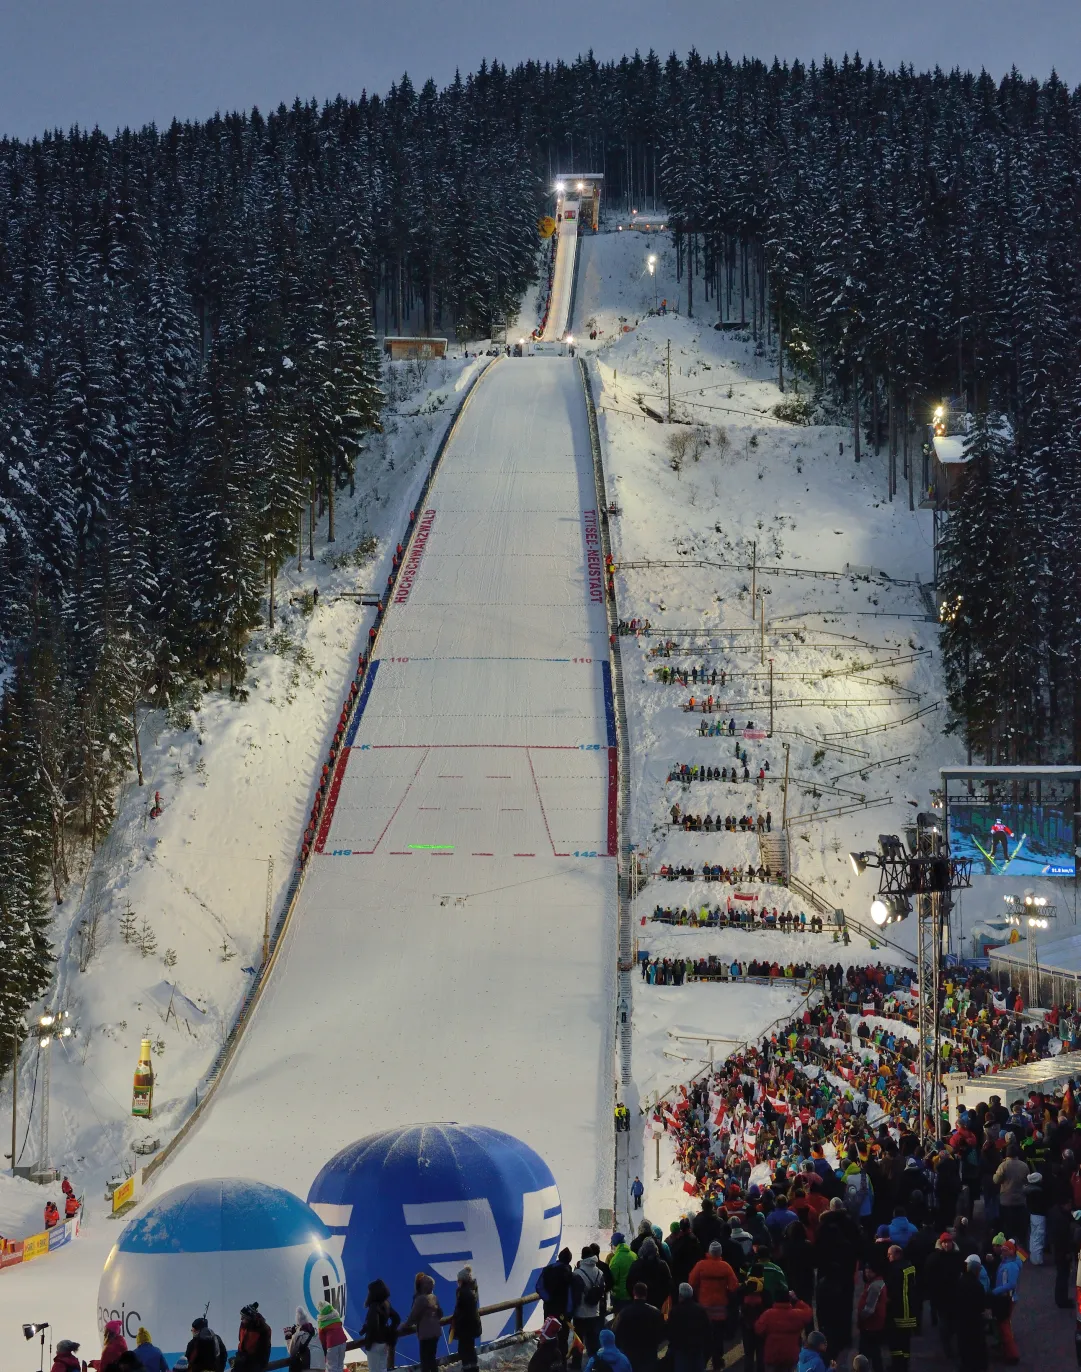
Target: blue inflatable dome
(224,1214)
(212,1247)
(434,1198)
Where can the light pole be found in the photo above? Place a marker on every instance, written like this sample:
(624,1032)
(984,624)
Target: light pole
(52,1027)
(651,263)
(924,870)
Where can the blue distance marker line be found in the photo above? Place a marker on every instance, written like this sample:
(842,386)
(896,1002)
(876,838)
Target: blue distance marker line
(365,692)
(609,703)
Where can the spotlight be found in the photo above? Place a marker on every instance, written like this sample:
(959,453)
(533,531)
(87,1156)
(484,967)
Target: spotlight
(889,909)
(29,1330)
(560,187)
(46,1020)
(859,863)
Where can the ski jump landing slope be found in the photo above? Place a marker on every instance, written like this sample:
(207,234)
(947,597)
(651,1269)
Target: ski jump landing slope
(563,277)
(452,954)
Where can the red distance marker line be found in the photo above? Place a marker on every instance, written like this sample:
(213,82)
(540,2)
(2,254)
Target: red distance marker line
(399,805)
(547,747)
(540,802)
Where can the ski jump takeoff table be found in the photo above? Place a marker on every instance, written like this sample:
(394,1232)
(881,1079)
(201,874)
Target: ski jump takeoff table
(452,953)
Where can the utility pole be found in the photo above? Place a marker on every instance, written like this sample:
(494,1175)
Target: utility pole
(771,697)
(51,1027)
(14,1092)
(754,573)
(784,800)
(669,381)
(762,641)
(266,916)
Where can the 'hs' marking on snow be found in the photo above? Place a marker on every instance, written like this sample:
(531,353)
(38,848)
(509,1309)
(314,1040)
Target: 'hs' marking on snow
(594,571)
(416,552)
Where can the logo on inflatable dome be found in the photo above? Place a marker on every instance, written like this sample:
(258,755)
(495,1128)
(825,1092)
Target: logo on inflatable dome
(438,1197)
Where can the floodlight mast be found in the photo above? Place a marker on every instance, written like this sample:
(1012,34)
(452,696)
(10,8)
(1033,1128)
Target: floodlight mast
(933,930)
(925,870)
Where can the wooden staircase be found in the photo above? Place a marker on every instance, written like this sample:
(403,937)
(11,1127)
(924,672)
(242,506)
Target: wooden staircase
(773,853)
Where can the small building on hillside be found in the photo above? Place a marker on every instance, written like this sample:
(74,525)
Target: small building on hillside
(945,470)
(405,349)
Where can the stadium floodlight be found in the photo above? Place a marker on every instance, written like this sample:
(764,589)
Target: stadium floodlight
(581,185)
(889,909)
(46,1020)
(861,861)
(560,187)
(891,847)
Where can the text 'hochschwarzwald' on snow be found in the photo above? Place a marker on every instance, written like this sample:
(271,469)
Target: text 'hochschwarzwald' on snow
(416,552)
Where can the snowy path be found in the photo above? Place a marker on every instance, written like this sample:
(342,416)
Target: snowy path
(452,953)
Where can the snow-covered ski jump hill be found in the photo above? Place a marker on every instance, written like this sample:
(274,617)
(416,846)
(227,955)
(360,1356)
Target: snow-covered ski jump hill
(465,886)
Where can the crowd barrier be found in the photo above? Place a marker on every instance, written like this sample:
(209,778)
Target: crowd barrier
(16,1251)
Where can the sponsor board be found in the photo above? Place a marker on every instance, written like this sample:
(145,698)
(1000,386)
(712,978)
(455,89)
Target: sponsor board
(126,1193)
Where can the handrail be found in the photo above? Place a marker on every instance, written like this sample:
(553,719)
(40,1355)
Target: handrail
(624,935)
(228,1049)
(784,1018)
(519,1326)
(823,906)
(774,569)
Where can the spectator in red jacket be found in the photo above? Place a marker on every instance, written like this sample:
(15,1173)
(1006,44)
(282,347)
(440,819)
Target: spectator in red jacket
(115,1344)
(713,1282)
(781,1327)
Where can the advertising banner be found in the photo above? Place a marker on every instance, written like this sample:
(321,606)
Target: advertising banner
(126,1193)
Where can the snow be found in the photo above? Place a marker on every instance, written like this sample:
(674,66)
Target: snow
(563,277)
(414,984)
(950,449)
(236,783)
(856,649)
(459,927)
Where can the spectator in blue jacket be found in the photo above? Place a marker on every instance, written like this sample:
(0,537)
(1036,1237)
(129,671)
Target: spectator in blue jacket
(902,1230)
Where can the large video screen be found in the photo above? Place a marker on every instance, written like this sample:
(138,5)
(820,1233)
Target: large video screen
(1005,839)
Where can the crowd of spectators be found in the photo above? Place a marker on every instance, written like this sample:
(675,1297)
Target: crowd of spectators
(714,871)
(675,971)
(746,916)
(813,1132)
(723,824)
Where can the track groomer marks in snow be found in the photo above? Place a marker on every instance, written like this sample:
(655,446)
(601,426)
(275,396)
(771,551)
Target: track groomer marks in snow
(455,937)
